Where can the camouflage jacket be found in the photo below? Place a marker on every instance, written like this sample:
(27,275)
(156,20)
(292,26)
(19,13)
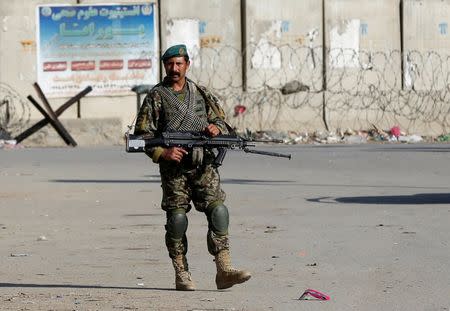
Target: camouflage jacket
(155,113)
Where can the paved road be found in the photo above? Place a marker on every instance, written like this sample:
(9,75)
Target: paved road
(369,225)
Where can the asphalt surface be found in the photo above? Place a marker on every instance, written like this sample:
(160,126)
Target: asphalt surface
(368,225)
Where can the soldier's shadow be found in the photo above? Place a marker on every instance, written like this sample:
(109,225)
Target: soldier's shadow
(80,286)
(413,199)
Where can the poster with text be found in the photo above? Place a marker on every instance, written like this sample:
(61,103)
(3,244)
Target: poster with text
(109,47)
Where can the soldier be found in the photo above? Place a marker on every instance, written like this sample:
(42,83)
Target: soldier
(179,104)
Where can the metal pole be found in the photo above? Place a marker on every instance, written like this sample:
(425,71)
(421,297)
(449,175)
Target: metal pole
(324,68)
(244,43)
(160,40)
(402,46)
(79,101)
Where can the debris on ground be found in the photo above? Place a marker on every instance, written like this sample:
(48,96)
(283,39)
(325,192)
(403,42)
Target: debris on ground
(19,255)
(395,131)
(412,139)
(270,229)
(9,144)
(444,138)
(42,238)
(340,136)
(313,293)
(239,110)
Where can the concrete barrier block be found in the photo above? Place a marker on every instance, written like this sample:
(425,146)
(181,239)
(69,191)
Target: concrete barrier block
(86,132)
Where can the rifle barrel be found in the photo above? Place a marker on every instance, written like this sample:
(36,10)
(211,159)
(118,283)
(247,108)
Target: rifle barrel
(276,141)
(268,153)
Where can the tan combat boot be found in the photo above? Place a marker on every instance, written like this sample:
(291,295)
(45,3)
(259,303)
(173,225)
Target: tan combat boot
(226,275)
(183,280)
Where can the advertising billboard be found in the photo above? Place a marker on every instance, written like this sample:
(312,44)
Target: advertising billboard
(111,47)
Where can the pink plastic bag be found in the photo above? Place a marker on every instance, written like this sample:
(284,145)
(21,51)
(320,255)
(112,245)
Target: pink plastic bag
(315,294)
(395,131)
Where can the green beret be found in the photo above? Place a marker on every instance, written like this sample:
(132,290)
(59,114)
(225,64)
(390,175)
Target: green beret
(175,51)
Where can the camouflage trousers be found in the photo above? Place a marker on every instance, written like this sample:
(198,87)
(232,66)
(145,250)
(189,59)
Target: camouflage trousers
(180,187)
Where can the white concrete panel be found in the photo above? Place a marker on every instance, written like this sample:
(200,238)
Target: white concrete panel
(426,44)
(363,43)
(283,43)
(217,62)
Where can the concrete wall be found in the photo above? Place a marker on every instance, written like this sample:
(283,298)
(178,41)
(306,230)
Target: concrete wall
(283,41)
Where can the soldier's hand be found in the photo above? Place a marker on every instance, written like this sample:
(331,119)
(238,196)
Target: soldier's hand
(173,154)
(212,130)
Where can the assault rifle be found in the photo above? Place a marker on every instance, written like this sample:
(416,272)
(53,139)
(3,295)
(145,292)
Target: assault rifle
(138,143)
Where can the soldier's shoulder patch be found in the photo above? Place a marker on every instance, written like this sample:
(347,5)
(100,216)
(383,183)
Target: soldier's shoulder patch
(155,94)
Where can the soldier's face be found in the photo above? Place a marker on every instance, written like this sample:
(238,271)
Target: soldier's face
(176,68)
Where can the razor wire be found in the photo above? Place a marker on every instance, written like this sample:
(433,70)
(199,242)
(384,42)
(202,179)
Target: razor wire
(14,112)
(268,84)
(365,87)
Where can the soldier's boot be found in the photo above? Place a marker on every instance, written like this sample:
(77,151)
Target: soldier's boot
(183,279)
(228,276)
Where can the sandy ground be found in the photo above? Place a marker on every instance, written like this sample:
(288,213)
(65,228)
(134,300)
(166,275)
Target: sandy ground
(369,225)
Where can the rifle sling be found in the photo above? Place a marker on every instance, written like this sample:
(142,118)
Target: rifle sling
(215,109)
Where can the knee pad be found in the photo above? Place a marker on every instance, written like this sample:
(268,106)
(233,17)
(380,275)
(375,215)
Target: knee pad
(218,219)
(177,223)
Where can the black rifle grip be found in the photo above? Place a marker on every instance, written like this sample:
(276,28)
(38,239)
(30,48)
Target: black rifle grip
(220,156)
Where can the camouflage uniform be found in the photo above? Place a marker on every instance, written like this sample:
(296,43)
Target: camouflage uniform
(184,182)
